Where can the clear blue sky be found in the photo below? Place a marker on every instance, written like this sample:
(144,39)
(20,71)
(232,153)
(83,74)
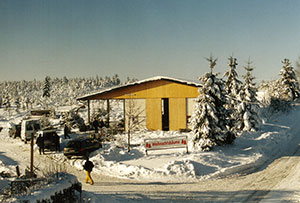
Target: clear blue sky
(145,38)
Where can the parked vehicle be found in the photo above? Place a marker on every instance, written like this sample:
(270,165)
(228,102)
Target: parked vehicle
(14,130)
(38,112)
(29,128)
(51,139)
(81,147)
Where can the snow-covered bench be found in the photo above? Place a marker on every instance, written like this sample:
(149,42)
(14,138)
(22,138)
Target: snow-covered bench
(166,143)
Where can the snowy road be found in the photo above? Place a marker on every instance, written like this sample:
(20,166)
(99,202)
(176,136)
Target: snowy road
(276,182)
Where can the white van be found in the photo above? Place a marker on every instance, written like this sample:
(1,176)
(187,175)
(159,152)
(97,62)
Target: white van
(29,128)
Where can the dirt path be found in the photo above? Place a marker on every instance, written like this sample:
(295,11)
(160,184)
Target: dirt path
(244,188)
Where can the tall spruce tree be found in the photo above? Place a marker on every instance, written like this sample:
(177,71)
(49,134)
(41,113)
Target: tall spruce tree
(232,84)
(288,85)
(210,116)
(47,87)
(247,118)
(232,87)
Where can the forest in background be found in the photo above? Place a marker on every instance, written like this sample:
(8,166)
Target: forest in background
(52,92)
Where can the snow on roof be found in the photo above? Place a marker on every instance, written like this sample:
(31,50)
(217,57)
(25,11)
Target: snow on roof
(182,81)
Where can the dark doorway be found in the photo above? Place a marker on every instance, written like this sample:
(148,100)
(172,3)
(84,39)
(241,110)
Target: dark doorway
(165,114)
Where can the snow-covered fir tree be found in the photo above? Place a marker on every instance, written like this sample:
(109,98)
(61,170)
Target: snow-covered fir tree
(17,103)
(47,87)
(232,87)
(7,101)
(288,84)
(210,118)
(115,80)
(247,117)
(297,69)
(232,84)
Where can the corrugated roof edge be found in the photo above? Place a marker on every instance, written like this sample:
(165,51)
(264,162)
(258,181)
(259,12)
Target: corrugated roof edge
(187,82)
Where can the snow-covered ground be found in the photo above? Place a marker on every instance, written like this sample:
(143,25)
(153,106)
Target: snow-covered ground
(277,137)
(248,152)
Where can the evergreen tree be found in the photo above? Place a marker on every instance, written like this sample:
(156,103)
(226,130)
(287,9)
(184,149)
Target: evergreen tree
(232,87)
(115,80)
(247,118)
(210,116)
(288,85)
(232,84)
(17,103)
(6,101)
(47,87)
(297,70)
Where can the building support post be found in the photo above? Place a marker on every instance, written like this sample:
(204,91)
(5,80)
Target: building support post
(31,156)
(108,112)
(89,113)
(124,114)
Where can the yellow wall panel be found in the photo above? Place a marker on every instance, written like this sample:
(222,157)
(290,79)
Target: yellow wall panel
(177,109)
(153,114)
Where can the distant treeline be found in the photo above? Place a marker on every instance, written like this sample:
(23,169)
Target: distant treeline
(62,91)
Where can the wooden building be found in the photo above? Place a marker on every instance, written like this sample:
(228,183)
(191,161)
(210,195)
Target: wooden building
(160,103)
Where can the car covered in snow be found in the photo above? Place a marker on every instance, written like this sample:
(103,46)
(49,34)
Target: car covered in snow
(81,147)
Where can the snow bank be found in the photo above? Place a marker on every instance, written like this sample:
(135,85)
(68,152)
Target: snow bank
(57,186)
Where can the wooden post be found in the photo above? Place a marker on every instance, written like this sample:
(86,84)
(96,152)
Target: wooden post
(129,119)
(107,101)
(89,113)
(124,114)
(18,171)
(31,156)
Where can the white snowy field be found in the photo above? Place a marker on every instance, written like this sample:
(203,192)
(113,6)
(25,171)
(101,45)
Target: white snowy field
(277,137)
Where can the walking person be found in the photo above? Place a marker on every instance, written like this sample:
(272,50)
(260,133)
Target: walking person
(88,167)
(66,131)
(40,144)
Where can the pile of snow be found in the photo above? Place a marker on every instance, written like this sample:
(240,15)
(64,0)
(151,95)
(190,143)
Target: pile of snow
(56,186)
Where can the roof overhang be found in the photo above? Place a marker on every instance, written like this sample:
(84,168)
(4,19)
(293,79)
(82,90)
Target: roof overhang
(95,95)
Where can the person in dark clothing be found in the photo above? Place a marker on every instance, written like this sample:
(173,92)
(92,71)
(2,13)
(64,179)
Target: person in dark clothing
(66,131)
(56,142)
(96,125)
(101,124)
(88,167)
(40,144)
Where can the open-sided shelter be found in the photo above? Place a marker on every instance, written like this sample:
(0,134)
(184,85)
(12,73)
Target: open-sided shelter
(163,103)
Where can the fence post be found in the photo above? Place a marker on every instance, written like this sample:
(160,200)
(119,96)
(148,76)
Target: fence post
(18,171)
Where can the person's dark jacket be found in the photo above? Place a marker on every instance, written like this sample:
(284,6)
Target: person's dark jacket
(66,130)
(88,166)
(40,141)
(95,125)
